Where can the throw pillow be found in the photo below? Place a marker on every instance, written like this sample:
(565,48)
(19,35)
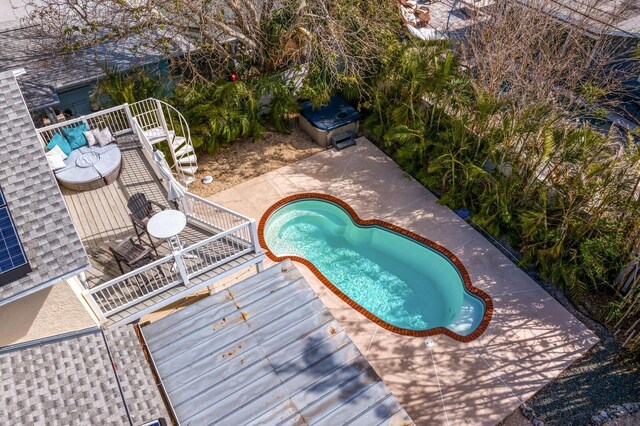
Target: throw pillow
(104,136)
(91,137)
(75,135)
(59,151)
(55,158)
(60,141)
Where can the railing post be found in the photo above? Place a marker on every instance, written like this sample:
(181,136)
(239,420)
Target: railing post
(163,122)
(41,139)
(185,205)
(127,110)
(177,255)
(94,306)
(256,243)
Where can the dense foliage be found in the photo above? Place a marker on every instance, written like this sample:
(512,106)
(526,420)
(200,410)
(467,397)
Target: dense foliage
(117,88)
(223,111)
(562,193)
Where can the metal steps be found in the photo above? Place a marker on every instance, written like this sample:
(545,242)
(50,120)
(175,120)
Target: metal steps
(190,170)
(157,134)
(186,149)
(187,160)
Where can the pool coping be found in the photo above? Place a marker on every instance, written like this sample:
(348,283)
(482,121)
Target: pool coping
(488,302)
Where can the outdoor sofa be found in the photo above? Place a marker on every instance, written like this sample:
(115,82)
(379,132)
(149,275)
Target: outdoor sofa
(84,159)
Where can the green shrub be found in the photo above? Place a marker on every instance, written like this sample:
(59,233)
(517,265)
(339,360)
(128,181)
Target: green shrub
(223,111)
(117,88)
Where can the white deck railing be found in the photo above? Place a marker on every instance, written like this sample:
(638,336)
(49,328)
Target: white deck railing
(133,287)
(209,214)
(178,268)
(234,234)
(117,119)
(148,114)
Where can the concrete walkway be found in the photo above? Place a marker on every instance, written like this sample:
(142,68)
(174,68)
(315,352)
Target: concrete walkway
(529,341)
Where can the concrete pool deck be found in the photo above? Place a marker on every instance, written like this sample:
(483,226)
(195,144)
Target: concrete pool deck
(529,341)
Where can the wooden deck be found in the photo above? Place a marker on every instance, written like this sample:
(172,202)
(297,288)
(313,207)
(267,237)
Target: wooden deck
(101,215)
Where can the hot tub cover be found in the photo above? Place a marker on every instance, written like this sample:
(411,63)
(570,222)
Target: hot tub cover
(335,114)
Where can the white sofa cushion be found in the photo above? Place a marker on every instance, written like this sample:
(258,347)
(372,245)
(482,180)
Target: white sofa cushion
(91,136)
(55,158)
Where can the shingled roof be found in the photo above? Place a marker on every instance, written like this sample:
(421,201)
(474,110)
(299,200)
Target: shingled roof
(46,73)
(84,378)
(49,238)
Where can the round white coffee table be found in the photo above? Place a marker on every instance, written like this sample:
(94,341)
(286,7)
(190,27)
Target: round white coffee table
(166,225)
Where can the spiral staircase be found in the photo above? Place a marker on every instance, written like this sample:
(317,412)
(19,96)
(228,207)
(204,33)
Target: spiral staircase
(160,122)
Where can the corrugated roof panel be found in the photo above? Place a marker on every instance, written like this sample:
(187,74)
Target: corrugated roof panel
(266,351)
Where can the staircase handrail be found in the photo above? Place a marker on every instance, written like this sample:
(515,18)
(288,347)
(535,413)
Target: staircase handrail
(183,121)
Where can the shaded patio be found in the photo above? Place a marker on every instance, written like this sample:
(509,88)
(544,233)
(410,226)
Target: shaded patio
(529,341)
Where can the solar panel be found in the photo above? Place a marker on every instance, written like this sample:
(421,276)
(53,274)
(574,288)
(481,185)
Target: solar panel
(13,261)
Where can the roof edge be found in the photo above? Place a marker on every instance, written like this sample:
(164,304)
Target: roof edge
(45,284)
(48,340)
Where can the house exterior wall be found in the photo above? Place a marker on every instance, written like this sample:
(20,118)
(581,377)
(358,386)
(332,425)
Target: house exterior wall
(76,100)
(48,312)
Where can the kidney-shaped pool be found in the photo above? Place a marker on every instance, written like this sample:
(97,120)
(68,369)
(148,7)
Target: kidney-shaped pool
(398,279)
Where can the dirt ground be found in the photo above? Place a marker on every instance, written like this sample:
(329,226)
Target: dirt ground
(246,159)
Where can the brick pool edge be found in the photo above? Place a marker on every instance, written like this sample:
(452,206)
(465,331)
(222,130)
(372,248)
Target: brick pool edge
(488,303)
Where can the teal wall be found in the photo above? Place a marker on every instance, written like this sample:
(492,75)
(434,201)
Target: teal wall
(76,100)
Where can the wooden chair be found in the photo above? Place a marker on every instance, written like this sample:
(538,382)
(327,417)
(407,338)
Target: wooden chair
(141,210)
(132,254)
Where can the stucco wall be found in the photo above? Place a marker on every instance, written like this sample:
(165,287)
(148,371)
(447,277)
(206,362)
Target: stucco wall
(46,313)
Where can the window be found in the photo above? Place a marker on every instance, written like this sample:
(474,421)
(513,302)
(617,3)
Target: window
(13,261)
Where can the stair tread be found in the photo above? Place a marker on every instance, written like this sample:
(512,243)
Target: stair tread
(191,170)
(187,160)
(184,150)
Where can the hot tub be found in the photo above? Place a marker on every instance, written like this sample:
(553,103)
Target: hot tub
(334,118)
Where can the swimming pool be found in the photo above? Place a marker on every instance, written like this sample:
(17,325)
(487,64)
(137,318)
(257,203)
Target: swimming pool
(396,278)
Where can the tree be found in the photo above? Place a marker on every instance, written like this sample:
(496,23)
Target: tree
(341,41)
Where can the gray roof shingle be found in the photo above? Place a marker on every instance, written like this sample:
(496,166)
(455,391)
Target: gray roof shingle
(48,236)
(66,382)
(70,380)
(140,390)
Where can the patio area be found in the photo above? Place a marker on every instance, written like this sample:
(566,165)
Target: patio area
(101,217)
(529,341)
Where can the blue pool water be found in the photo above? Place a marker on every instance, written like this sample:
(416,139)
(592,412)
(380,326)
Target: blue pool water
(396,278)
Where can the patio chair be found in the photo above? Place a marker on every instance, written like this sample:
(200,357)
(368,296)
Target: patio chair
(141,210)
(132,254)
